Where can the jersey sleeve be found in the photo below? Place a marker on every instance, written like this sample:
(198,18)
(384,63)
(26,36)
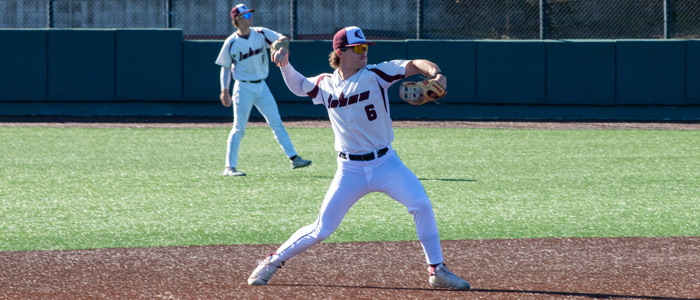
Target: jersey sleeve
(224,59)
(389,72)
(268,35)
(302,86)
(312,87)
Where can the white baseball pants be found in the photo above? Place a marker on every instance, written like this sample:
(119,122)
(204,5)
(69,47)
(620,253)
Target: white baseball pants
(352,181)
(244,96)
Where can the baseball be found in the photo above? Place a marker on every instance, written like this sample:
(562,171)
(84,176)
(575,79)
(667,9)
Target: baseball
(279,56)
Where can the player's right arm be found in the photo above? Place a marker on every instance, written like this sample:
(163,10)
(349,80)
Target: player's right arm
(225,60)
(225,80)
(297,83)
(302,86)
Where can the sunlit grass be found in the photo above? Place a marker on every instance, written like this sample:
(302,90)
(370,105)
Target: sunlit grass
(76,188)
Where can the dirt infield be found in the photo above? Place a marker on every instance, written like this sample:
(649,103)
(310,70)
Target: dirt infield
(580,268)
(203,122)
(554,268)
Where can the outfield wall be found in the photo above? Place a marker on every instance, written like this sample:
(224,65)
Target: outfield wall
(155,72)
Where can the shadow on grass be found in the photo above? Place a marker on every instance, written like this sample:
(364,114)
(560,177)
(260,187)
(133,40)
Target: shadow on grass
(568,294)
(439,179)
(448,179)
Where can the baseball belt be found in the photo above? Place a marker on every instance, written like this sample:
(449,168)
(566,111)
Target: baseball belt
(252,81)
(364,157)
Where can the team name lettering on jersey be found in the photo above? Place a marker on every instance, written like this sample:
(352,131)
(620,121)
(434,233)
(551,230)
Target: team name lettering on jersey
(250,53)
(345,101)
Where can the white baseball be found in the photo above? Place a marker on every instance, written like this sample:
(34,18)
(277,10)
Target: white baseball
(279,56)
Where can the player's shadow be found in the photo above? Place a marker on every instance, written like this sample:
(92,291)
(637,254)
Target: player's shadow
(448,179)
(566,294)
(439,179)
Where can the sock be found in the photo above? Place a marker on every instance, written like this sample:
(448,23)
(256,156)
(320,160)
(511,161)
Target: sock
(276,261)
(292,158)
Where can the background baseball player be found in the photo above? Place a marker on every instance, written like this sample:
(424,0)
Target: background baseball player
(244,54)
(356,99)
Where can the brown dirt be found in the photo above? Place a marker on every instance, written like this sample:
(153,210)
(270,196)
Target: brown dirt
(202,122)
(553,268)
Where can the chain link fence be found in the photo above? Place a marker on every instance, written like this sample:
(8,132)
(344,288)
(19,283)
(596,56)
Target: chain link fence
(379,19)
(599,19)
(685,19)
(481,19)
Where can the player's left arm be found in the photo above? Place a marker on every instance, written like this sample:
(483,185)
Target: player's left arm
(271,36)
(427,69)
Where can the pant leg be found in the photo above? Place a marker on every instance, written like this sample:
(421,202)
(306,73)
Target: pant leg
(268,108)
(349,185)
(242,99)
(393,178)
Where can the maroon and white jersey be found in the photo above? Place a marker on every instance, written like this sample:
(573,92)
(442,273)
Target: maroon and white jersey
(247,57)
(359,106)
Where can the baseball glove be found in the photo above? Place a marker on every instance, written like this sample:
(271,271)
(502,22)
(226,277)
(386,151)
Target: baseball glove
(418,93)
(279,44)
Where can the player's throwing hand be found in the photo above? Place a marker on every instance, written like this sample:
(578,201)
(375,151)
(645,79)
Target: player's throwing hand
(279,51)
(280,57)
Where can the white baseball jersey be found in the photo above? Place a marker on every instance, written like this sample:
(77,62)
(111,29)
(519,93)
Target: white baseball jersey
(359,106)
(248,58)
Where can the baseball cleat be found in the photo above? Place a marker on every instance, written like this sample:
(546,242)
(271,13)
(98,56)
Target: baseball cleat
(299,162)
(264,271)
(232,172)
(441,277)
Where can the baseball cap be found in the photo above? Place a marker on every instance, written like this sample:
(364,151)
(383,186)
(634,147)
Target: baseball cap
(239,10)
(348,37)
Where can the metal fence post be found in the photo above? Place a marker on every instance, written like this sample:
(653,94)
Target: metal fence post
(419,18)
(544,22)
(292,20)
(169,13)
(50,12)
(669,18)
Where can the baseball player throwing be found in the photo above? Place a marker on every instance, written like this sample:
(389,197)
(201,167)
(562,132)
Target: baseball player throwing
(244,54)
(356,99)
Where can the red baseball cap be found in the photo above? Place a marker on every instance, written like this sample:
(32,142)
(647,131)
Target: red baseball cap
(239,10)
(349,37)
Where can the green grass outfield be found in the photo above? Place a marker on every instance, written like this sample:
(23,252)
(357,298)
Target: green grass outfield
(78,188)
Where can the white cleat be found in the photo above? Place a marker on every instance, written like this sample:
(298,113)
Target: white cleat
(299,162)
(441,277)
(263,272)
(232,172)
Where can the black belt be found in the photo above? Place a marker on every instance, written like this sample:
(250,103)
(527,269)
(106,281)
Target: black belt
(252,81)
(364,157)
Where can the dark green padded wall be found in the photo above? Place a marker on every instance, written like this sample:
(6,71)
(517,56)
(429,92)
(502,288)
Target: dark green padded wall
(581,72)
(149,64)
(201,74)
(81,64)
(510,72)
(23,65)
(155,72)
(693,72)
(651,72)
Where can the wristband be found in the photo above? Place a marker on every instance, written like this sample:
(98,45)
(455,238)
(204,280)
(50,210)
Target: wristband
(436,74)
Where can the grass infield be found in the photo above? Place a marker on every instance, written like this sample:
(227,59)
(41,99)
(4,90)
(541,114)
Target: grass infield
(81,188)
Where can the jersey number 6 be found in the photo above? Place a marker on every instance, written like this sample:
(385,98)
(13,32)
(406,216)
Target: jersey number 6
(371,114)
